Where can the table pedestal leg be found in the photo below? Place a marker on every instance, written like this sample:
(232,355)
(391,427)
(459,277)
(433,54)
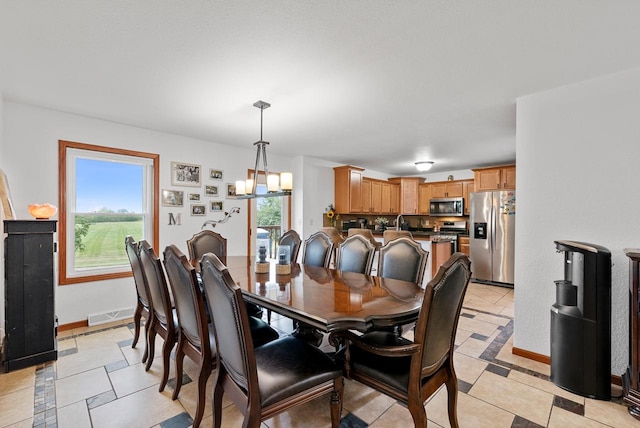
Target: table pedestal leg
(307,333)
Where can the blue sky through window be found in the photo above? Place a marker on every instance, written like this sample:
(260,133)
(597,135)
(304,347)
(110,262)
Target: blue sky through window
(112,185)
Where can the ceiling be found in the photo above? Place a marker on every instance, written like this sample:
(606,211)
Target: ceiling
(378,84)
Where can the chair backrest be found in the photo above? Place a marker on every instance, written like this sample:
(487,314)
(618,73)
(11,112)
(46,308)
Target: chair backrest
(366,233)
(402,258)
(157,283)
(390,234)
(230,322)
(292,239)
(192,318)
(138,277)
(317,250)
(438,319)
(206,241)
(355,254)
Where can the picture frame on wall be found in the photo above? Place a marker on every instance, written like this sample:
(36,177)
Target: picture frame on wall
(216,174)
(198,209)
(185,174)
(231,191)
(194,197)
(211,191)
(216,206)
(172,198)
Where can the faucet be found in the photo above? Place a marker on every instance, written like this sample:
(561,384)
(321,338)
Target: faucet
(398,222)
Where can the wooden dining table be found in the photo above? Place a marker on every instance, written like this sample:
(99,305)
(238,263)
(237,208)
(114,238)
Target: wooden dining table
(327,299)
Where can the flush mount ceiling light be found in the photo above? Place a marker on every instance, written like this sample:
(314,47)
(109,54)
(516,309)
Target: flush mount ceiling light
(424,166)
(277,184)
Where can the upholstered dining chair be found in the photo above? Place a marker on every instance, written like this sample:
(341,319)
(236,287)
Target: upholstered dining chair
(366,233)
(317,250)
(164,320)
(402,258)
(195,338)
(411,372)
(264,381)
(206,241)
(293,241)
(142,303)
(355,254)
(391,234)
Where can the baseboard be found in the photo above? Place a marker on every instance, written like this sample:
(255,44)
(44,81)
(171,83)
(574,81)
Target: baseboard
(72,325)
(615,379)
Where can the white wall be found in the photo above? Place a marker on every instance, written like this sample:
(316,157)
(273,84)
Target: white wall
(30,160)
(577,149)
(2,332)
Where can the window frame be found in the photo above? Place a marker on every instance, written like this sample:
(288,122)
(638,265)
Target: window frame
(63,146)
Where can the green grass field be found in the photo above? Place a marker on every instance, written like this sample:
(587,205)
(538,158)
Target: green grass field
(104,244)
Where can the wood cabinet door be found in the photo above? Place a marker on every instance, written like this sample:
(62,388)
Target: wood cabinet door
(487,179)
(509,177)
(424,196)
(453,189)
(395,198)
(409,198)
(439,190)
(355,191)
(367,203)
(467,190)
(376,197)
(385,200)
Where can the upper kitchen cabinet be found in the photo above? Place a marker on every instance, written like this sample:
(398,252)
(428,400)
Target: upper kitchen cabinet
(424,196)
(390,198)
(495,178)
(408,193)
(366,195)
(468,187)
(371,196)
(447,189)
(348,189)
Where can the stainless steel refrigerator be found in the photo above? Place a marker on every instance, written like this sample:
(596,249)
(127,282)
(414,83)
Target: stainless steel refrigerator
(492,236)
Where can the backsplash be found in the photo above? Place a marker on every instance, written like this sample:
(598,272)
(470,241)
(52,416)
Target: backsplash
(415,221)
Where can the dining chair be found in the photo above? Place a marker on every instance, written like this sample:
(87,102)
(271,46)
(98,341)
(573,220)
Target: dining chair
(390,235)
(411,372)
(262,381)
(336,238)
(317,250)
(402,258)
(142,303)
(293,241)
(164,320)
(366,233)
(195,338)
(206,241)
(355,254)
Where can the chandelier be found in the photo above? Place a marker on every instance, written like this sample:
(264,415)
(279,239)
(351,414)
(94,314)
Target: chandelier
(277,184)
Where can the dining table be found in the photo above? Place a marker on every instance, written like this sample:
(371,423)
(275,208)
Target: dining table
(326,299)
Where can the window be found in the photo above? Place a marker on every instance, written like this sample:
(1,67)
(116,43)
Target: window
(105,195)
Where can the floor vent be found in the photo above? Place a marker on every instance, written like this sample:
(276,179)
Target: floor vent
(106,317)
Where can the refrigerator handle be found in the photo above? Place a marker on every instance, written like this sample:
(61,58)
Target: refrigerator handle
(492,229)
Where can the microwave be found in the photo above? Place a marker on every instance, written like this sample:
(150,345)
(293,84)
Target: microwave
(446,207)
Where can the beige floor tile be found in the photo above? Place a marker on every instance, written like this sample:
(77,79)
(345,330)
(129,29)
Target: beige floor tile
(16,380)
(74,416)
(472,412)
(27,423)
(17,406)
(69,343)
(396,416)
(515,397)
(482,305)
(317,410)
(189,396)
(477,326)
(88,359)
(461,336)
(609,413)
(142,409)
(492,319)
(508,312)
(365,402)
(81,386)
(506,355)
(134,378)
(472,347)
(561,418)
(544,385)
(468,368)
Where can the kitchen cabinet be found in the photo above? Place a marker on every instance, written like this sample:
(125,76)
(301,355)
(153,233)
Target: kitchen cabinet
(468,187)
(376,197)
(495,178)
(424,196)
(390,198)
(30,321)
(367,204)
(408,187)
(464,245)
(440,253)
(348,189)
(446,189)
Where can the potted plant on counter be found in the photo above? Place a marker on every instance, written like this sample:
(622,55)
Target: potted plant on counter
(382,223)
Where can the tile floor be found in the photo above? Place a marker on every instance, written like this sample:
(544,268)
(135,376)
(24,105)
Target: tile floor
(98,381)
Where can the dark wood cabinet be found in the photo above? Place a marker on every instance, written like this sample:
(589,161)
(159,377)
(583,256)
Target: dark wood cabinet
(30,320)
(631,378)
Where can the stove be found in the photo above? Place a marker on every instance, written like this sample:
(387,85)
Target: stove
(449,231)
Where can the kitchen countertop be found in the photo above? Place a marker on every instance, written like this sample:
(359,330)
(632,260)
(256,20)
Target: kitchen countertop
(414,233)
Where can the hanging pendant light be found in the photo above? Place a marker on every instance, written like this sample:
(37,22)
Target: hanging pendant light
(277,184)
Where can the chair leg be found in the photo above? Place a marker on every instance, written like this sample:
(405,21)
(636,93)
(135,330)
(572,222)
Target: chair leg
(166,356)
(151,347)
(137,315)
(269,316)
(216,402)
(179,360)
(203,375)
(336,402)
(452,393)
(418,413)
